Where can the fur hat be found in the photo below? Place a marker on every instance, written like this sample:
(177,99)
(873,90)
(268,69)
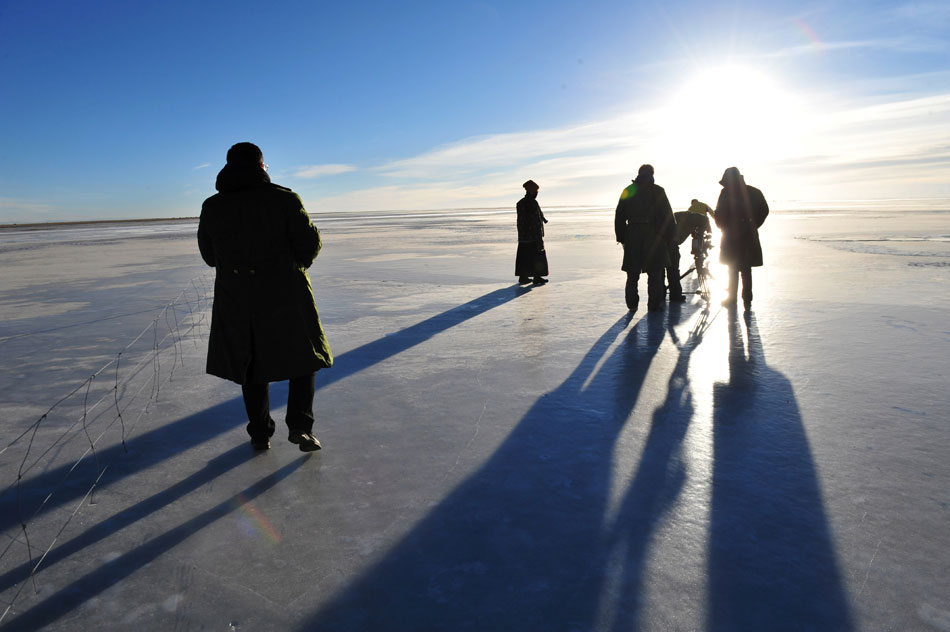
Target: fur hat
(245,154)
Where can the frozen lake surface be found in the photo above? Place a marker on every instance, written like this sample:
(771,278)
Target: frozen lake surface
(495,457)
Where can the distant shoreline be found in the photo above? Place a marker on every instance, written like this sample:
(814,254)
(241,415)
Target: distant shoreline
(96,222)
(896,206)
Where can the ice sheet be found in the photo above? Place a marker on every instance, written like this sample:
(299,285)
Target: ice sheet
(496,456)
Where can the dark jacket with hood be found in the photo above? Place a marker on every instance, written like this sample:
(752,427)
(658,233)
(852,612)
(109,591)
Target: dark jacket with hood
(264,322)
(644,224)
(740,212)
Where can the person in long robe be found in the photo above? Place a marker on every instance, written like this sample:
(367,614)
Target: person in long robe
(531,262)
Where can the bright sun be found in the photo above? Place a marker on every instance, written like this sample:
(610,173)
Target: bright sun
(733,115)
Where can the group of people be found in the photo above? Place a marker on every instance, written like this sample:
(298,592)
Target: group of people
(264,321)
(651,235)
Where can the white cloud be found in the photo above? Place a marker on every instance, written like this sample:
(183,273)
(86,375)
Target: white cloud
(508,150)
(317,171)
(202,166)
(794,147)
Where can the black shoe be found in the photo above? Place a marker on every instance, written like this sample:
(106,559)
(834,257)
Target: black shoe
(306,441)
(747,305)
(524,279)
(680,298)
(539,281)
(260,444)
(655,308)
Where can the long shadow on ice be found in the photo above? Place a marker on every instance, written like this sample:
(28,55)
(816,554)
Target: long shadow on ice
(218,466)
(519,545)
(772,564)
(383,348)
(68,483)
(652,493)
(110,573)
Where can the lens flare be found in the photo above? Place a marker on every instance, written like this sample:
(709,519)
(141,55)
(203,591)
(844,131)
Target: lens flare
(256,520)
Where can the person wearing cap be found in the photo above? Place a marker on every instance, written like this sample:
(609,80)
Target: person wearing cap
(740,211)
(264,322)
(531,262)
(644,224)
(687,222)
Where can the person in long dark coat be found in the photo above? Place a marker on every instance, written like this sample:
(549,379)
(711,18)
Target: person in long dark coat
(644,224)
(740,212)
(531,262)
(264,322)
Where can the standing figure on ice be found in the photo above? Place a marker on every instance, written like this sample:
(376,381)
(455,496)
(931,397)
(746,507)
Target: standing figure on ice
(531,262)
(739,213)
(264,322)
(644,225)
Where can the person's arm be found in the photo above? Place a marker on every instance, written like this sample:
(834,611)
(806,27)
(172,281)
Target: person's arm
(720,214)
(620,222)
(762,208)
(524,221)
(304,237)
(205,246)
(667,221)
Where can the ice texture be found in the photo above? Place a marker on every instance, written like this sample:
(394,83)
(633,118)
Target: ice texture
(496,456)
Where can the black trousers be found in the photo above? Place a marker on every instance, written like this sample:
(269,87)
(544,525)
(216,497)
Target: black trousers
(746,273)
(673,272)
(656,288)
(299,407)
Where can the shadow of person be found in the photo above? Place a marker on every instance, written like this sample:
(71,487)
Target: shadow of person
(24,499)
(516,546)
(110,573)
(216,467)
(653,491)
(772,564)
(374,352)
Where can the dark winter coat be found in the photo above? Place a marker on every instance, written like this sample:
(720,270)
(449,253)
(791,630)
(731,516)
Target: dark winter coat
(739,213)
(644,224)
(530,220)
(264,322)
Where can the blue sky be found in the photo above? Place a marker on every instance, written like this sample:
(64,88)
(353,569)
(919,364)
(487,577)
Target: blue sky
(122,110)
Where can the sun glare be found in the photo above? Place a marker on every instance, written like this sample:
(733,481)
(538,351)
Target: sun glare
(733,114)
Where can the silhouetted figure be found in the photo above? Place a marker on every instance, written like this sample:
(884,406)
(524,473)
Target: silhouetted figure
(688,222)
(264,322)
(739,213)
(531,262)
(645,226)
